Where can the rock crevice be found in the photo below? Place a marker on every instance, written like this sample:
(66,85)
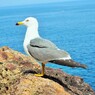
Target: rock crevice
(17,77)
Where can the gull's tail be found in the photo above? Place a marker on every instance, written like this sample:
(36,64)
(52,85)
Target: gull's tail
(69,63)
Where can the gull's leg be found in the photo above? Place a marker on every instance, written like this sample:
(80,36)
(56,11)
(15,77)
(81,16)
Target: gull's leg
(43,71)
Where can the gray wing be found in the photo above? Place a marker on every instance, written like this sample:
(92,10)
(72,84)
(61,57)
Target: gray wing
(44,50)
(42,43)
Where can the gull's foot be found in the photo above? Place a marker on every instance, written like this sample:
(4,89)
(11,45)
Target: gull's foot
(39,75)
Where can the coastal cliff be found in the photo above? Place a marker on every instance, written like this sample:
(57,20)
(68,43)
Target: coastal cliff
(17,77)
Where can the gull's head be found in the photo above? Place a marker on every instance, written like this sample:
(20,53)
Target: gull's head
(29,22)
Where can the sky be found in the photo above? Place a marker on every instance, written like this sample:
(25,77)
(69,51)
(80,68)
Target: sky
(26,2)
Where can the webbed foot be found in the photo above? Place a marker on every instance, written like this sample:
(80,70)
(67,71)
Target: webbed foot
(39,75)
(43,71)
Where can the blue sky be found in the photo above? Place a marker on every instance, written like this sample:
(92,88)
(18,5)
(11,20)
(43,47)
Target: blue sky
(25,2)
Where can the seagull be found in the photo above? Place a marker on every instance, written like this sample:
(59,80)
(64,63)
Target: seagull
(43,50)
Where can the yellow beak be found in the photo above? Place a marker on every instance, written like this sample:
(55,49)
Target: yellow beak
(19,23)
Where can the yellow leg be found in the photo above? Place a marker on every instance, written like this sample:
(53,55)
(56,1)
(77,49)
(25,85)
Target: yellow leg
(43,71)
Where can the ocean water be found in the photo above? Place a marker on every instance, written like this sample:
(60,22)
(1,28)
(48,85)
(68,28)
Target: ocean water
(70,25)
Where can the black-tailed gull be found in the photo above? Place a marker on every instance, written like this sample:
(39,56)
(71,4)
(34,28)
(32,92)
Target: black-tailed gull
(44,50)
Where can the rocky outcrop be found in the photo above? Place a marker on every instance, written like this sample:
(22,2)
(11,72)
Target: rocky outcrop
(17,78)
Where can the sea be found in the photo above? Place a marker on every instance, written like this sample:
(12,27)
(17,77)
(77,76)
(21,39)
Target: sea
(70,25)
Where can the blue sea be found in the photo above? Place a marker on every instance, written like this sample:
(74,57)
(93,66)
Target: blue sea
(70,25)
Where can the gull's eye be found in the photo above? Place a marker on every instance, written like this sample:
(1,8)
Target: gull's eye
(27,20)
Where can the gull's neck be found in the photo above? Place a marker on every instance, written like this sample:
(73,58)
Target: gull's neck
(31,33)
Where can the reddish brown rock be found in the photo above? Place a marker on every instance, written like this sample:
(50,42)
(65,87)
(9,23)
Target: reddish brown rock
(31,85)
(17,78)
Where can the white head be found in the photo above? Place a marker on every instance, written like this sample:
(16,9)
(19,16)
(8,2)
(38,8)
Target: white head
(32,30)
(29,22)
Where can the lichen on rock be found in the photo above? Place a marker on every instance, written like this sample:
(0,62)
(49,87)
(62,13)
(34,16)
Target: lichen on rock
(17,77)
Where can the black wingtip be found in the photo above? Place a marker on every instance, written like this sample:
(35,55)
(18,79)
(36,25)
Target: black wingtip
(83,66)
(69,63)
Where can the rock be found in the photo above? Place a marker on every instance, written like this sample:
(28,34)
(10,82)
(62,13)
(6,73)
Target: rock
(31,85)
(17,77)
